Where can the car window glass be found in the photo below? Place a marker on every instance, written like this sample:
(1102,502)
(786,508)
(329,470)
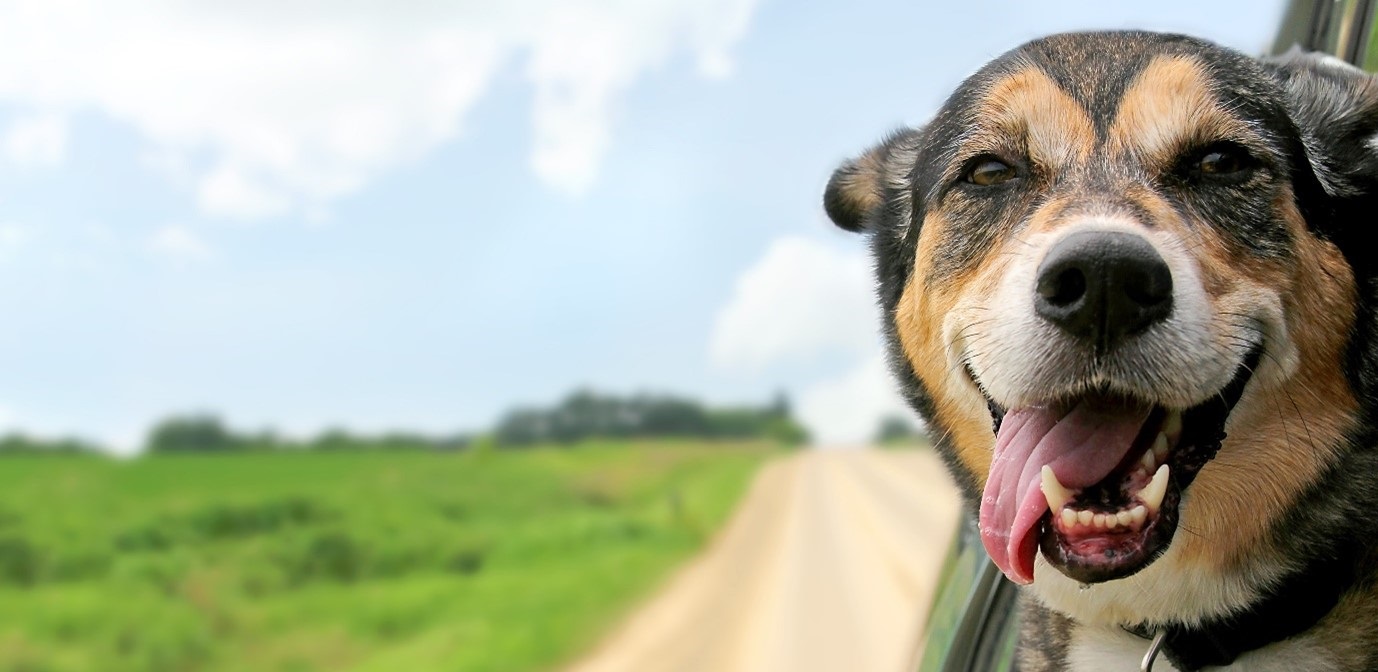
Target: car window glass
(1370,57)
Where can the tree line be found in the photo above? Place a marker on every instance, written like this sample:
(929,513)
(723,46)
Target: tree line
(581,415)
(586,414)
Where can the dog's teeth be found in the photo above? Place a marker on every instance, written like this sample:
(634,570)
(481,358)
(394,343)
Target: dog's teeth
(1138,514)
(1098,521)
(1148,461)
(1160,446)
(1172,426)
(1056,494)
(1085,517)
(1069,518)
(1124,518)
(1152,494)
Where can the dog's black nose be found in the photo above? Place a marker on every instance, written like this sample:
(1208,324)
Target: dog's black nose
(1100,286)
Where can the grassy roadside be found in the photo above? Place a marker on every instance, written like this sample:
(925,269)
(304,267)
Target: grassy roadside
(357,561)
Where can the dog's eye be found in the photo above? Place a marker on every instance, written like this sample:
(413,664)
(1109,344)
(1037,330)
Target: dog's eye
(988,172)
(1224,161)
(1221,163)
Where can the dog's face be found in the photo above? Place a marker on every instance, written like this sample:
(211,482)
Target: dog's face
(1105,254)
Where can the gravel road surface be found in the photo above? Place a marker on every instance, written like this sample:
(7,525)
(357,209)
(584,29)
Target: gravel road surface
(828,565)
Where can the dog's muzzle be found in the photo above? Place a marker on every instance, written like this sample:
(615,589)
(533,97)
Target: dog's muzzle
(1092,469)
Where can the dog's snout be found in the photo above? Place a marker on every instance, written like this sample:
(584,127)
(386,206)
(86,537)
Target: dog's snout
(1101,286)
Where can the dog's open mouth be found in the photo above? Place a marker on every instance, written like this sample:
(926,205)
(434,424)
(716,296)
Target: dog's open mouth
(1095,481)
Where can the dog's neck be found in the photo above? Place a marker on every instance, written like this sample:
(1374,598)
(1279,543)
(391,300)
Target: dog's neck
(1286,610)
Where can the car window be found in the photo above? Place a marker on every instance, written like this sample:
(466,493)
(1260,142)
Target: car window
(1341,28)
(1370,52)
(973,624)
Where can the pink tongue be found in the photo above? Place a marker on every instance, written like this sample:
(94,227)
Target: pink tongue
(1082,446)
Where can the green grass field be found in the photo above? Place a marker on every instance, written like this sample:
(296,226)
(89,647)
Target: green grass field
(354,561)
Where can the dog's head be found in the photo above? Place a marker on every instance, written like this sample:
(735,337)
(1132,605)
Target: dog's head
(1105,254)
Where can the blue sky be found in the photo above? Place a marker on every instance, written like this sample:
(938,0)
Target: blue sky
(380,218)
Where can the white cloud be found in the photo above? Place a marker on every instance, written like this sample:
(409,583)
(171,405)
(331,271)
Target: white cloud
(227,190)
(848,408)
(179,244)
(801,299)
(37,141)
(801,302)
(585,53)
(282,107)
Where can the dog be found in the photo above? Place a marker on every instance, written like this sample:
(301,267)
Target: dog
(1127,283)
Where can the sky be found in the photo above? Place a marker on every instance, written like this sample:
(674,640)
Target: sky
(385,216)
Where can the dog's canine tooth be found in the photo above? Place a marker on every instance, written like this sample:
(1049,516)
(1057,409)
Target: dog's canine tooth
(1152,494)
(1056,493)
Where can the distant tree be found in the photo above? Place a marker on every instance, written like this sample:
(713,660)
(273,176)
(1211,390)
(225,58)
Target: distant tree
(192,434)
(522,427)
(337,439)
(736,422)
(334,438)
(671,416)
(452,443)
(586,414)
(897,429)
(418,442)
(16,443)
(780,406)
(266,439)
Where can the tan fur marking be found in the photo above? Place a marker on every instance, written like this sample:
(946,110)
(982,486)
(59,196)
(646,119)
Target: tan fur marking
(1030,105)
(1049,217)
(1159,209)
(862,184)
(919,323)
(1057,132)
(1168,108)
(1283,436)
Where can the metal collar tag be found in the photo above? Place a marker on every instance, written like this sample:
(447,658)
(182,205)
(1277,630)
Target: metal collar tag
(1153,649)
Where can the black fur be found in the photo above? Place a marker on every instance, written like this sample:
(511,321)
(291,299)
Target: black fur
(1334,525)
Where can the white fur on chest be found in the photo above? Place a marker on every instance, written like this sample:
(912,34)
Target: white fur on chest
(1166,591)
(1112,650)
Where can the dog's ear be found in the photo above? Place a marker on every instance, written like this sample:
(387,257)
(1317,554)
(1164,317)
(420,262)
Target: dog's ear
(1335,107)
(857,188)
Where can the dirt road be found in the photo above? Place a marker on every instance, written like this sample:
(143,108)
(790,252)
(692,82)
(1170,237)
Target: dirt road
(828,565)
